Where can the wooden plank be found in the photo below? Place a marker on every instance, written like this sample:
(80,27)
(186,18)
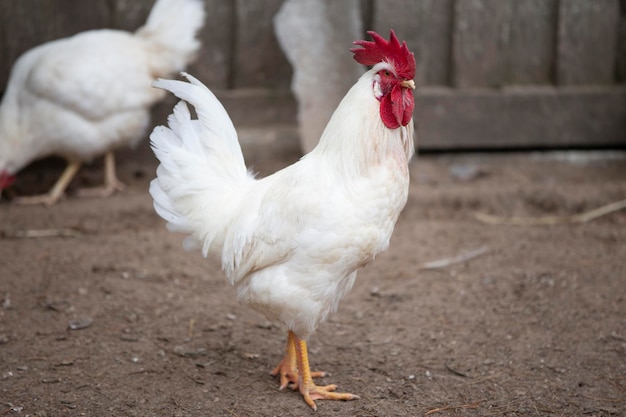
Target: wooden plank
(426,26)
(587,41)
(530,117)
(16,36)
(129,15)
(480,41)
(68,17)
(366,8)
(258,59)
(621,46)
(254,107)
(532,46)
(450,119)
(213,65)
(446,119)
(438,42)
(25,24)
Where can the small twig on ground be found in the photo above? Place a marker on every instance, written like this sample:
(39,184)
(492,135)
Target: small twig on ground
(196,380)
(552,220)
(473,405)
(192,322)
(487,378)
(231,412)
(39,233)
(607,400)
(616,384)
(455,372)
(462,257)
(143,371)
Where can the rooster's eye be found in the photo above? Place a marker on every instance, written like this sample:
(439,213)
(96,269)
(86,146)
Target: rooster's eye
(386,73)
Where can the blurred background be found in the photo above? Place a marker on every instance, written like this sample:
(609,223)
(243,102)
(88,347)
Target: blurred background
(491,74)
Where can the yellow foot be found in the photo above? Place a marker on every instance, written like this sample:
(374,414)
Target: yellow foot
(312,392)
(288,375)
(288,366)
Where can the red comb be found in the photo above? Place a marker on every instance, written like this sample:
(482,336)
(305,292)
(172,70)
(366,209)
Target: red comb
(388,51)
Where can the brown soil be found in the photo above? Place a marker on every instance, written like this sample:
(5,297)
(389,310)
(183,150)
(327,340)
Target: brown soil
(533,325)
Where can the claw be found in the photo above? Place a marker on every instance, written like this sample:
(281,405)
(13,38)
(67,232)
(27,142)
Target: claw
(311,392)
(325,393)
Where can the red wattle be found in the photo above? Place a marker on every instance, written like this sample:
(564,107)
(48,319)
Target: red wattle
(386,113)
(409,104)
(396,108)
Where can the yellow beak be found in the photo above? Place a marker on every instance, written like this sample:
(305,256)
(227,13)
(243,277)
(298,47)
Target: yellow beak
(408,84)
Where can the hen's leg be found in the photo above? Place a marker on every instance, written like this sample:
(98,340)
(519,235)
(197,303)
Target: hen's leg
(57,190)
(307,387)
(288,366)
(111,183)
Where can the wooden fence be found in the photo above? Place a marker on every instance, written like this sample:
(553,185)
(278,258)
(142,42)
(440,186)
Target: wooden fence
(490,73)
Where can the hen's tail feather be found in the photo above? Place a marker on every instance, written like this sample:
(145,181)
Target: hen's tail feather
(171,27)
(202,172)
(213,118)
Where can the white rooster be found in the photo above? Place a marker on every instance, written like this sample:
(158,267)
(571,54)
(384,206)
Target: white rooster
(85,96)
(291,243)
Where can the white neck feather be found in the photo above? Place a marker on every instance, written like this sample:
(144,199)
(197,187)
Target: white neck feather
(356,139)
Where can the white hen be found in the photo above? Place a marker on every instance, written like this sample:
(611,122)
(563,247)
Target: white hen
(87,95)
(291,243)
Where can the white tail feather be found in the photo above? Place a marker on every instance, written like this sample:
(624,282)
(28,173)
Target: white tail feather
(202,172)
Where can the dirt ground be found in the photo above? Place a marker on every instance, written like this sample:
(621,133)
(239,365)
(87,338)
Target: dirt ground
(112,317)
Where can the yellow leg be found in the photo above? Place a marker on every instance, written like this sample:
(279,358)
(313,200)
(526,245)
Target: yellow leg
(311,392)
(57,190)
(288,366)
(111,183)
